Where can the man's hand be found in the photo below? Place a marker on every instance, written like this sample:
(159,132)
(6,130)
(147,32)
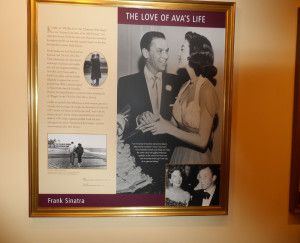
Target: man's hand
(145,118)
(159,126)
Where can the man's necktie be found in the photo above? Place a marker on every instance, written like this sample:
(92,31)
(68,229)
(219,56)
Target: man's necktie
(155,95)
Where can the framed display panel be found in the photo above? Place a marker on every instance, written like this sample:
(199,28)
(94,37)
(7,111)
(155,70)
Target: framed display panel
(129,107)
(295,166)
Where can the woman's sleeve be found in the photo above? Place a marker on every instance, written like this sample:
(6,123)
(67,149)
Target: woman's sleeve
(208,100)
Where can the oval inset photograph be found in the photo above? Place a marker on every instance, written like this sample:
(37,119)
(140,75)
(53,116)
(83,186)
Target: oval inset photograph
(95,69)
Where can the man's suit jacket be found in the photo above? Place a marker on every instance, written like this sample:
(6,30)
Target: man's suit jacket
(133,93)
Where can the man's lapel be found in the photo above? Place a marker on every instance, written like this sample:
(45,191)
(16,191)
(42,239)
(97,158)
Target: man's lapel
(166,98)
(143,93)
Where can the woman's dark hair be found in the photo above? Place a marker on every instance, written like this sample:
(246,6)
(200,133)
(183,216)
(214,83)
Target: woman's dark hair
(171,169)
(201,56)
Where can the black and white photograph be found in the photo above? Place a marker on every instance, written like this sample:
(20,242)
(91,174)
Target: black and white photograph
(192,185)
(170,94)
(95,69)
(155,80)
(77,151)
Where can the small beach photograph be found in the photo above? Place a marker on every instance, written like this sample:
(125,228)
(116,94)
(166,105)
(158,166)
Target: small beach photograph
(77,151)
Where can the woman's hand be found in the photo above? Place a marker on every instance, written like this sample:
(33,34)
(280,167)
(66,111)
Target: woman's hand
(161,126)
(146,118)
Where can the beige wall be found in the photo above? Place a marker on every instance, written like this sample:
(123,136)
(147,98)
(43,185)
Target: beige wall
(260,145)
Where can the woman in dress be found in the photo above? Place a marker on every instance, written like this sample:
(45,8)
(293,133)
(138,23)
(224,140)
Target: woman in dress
(195,110)
(175,195)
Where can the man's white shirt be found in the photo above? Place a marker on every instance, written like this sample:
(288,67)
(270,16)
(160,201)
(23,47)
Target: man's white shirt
(71,148)
(211,191)
(154,92)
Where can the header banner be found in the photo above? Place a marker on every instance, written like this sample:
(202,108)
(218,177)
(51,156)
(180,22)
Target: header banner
(171,17)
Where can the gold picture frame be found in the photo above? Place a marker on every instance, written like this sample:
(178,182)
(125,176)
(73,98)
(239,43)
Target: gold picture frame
(55,47)
(295,165)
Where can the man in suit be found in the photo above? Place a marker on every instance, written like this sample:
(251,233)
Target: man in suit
(146,95)
(206,193)
(71,150)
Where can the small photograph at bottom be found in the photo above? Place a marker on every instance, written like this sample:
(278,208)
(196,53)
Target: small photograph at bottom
(76,151)
(192,185)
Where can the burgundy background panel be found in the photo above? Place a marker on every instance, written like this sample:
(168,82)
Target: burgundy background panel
(212,19)
(184,18)
(104,200)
